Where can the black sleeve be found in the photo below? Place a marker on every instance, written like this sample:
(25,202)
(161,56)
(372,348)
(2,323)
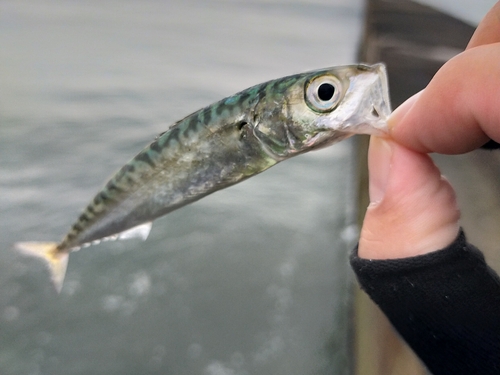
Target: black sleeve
(445,304)
(491,145)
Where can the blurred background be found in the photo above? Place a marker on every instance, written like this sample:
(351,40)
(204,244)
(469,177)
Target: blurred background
(251,280)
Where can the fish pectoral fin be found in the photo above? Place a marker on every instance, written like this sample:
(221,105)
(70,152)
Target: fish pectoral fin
(56,261)
(140,231)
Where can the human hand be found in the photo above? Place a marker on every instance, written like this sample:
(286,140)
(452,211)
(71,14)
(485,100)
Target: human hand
(413,208)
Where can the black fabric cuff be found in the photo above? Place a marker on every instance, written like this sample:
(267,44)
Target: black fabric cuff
(491,145)
(445,304)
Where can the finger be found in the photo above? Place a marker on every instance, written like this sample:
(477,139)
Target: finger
(488,30)
(458,111)
(413,208)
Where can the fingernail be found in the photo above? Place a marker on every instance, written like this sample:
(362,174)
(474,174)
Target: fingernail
(379,165)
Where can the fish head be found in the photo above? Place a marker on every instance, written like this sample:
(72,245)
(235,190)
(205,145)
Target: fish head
(325,106)
(351,99)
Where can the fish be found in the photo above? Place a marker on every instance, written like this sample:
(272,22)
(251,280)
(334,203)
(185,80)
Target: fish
(223,144)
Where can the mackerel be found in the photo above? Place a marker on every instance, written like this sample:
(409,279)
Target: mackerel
(223,144)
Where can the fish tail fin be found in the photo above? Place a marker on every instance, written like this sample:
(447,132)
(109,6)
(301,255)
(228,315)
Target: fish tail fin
(56,260)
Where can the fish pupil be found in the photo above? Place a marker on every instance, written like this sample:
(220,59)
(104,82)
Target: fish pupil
(326,91)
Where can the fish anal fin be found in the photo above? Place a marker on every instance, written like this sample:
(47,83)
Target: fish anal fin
(56,261)
(141,231)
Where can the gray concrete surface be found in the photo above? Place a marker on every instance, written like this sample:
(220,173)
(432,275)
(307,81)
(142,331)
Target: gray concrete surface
(415,41)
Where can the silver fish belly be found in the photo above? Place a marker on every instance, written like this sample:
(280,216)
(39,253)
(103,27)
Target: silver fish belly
(223,144)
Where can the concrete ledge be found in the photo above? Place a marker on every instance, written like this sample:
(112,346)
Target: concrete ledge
(415,41)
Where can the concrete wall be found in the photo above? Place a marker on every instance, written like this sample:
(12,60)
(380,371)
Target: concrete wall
(415,41)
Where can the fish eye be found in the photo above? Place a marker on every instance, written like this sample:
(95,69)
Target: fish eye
(323,93)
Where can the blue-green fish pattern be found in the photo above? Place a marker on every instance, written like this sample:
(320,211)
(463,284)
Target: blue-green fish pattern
(223,144)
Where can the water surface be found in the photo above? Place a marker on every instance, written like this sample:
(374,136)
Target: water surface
(251,280)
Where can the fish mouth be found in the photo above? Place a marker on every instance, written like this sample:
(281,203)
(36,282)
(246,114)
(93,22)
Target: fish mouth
(381,103)
(383,108)
(375,105)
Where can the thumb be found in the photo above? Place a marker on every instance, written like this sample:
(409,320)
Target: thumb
(412,208)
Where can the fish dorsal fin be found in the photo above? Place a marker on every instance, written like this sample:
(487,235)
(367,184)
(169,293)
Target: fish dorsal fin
(141,231)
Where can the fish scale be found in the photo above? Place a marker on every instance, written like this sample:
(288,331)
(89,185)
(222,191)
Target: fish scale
(223,144)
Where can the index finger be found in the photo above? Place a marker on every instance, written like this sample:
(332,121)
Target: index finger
(488,30)
(455,113)
(458,111)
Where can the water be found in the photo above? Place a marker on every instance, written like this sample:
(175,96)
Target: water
(251,280)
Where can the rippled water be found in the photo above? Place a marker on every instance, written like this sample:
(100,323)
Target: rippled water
(251,280)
